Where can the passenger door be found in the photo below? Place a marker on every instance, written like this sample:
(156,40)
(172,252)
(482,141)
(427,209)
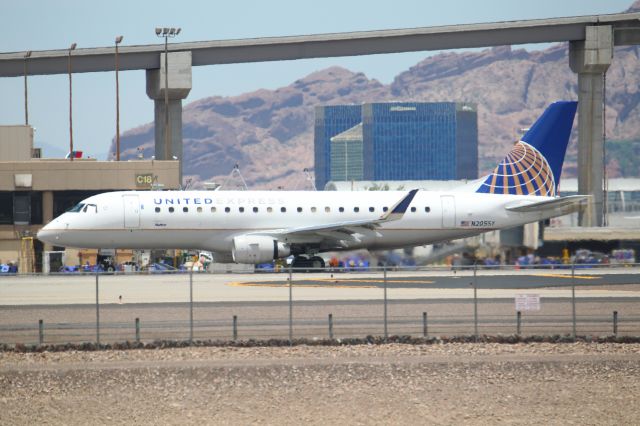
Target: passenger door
(448,211)
(131,211)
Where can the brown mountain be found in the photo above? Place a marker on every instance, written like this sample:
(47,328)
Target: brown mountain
(269,133)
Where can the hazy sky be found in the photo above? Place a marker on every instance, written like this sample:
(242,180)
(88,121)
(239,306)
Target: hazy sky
(45,24)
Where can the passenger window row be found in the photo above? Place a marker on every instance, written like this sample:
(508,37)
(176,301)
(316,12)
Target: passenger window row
(284,209)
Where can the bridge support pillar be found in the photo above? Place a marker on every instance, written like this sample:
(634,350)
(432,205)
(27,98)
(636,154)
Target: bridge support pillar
(590,59)
(179,86)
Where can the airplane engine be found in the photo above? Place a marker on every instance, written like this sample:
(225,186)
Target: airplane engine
(258,249)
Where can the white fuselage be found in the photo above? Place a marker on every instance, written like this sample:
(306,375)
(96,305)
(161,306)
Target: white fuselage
(209,220)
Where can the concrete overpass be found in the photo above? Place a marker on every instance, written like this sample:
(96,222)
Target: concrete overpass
(591,38)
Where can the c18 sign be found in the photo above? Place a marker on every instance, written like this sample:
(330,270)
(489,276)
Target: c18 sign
(145,179)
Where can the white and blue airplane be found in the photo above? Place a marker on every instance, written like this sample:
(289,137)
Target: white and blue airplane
(260,226)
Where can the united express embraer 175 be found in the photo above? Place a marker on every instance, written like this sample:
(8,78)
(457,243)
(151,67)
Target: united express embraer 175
(260,226)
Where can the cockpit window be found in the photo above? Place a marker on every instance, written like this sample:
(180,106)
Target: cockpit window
(76,208)
(91,208)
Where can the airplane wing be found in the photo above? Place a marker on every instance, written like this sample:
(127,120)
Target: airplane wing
(566,205)
(341,231)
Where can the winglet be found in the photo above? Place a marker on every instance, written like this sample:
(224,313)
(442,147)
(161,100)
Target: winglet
(397,211)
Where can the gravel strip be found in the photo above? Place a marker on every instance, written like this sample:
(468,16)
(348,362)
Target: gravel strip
(482,383)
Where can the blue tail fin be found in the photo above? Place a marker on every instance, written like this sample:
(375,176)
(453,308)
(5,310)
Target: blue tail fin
(534,164)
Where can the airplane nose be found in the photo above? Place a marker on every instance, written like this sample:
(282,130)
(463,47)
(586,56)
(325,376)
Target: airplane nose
(48,235)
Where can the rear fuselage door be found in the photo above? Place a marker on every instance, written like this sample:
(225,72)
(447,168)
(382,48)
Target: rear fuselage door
(131,211)
(448,211)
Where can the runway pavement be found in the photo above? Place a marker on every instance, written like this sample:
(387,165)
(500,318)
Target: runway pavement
(159,288)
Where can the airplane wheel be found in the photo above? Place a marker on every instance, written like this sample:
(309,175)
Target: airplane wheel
(317,263)
(313,264)
(299,262)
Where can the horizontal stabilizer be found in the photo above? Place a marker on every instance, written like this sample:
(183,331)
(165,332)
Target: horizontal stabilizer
(567,205)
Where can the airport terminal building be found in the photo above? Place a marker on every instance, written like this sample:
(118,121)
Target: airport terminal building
(34,190)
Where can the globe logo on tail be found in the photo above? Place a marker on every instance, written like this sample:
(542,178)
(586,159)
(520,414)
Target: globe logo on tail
(524,171)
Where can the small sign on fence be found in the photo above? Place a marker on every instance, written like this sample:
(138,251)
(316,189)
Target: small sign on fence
(527,302)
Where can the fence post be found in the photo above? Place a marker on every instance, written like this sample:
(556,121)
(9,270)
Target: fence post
(235,328)
(386,331)
(615,323)
(573,299)
(40,332)
(475,300)
(424,325)
(518,322)
(97,311)
(331,326)
(137,330)
(191,306)
(291,304)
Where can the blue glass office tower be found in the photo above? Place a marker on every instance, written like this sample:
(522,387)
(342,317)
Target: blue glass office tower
(346,155)
(329,121)
(402,140)
(420,141)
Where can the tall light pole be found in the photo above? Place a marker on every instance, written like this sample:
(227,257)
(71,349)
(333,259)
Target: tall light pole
(118,41)
(71,155)
(166,33)
(26,103)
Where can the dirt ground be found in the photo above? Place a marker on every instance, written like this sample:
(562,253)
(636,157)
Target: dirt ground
(578,383)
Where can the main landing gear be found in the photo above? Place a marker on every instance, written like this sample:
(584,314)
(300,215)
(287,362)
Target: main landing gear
(314,263)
